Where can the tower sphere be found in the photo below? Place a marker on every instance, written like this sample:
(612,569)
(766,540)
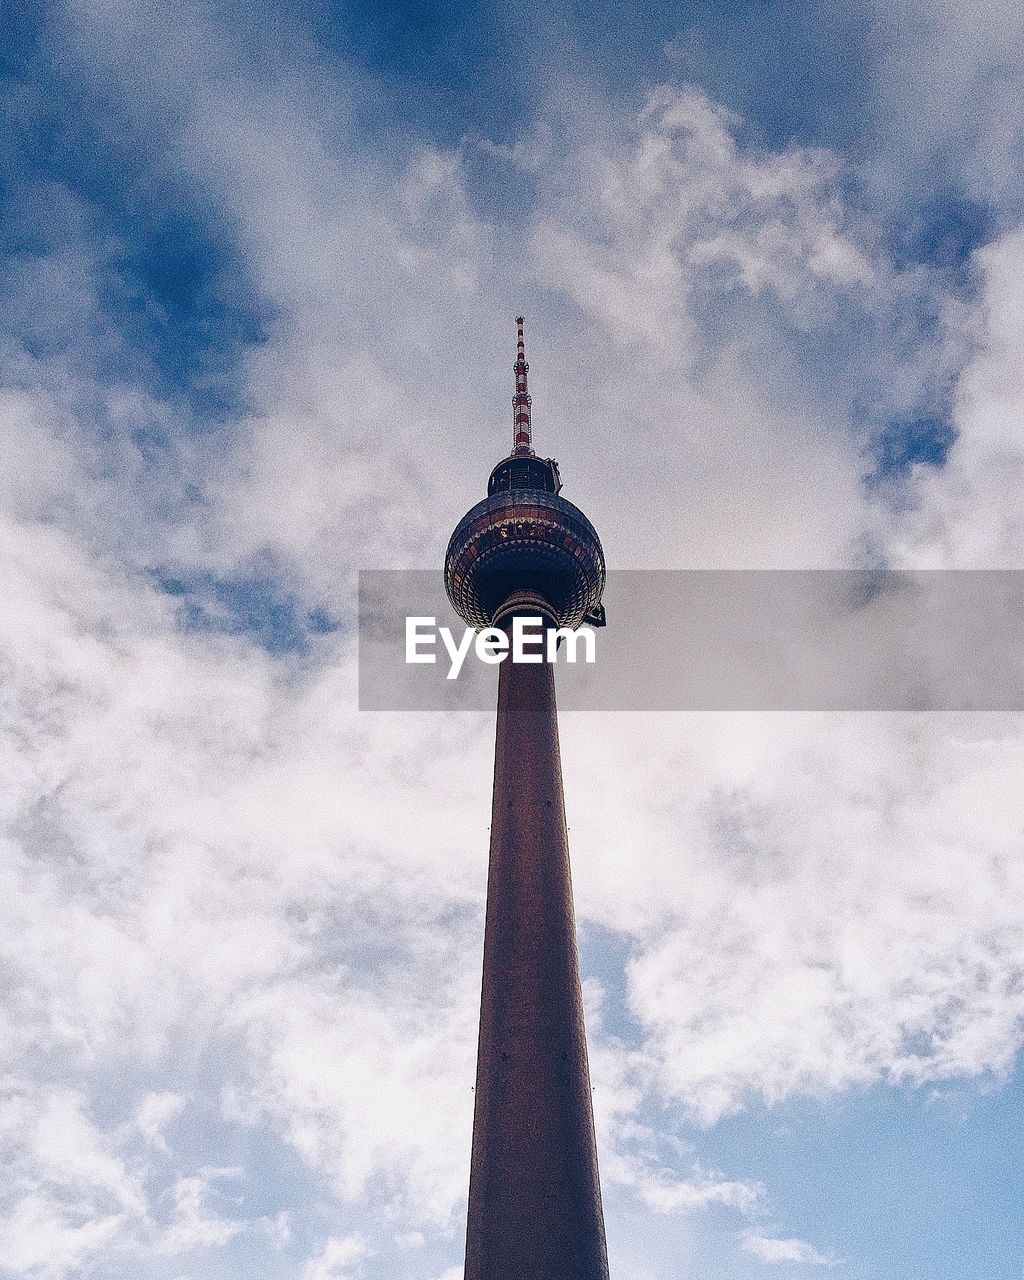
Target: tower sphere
(523,539)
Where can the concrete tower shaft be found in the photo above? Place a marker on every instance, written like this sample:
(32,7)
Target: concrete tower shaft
(534,1197)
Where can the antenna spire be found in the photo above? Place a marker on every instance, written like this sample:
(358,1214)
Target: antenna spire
(522,441)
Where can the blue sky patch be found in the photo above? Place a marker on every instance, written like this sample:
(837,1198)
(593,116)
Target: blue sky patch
(257,606)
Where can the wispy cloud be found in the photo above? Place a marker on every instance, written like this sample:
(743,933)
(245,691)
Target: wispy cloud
(771,1249)
(338,1256)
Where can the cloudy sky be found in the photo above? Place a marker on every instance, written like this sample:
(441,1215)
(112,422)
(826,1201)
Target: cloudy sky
(260,264)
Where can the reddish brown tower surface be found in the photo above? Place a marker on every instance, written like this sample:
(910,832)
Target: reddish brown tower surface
(534,1198)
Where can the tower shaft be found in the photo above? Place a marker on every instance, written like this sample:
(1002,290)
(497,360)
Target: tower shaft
(534,1198)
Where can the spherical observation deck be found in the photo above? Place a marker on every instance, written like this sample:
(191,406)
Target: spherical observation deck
(524,538)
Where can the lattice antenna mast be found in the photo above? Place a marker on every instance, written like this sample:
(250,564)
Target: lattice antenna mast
(522,436)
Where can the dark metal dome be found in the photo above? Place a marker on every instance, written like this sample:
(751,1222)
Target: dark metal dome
(525,540)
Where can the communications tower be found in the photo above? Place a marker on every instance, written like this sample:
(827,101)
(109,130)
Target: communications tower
(534,1194)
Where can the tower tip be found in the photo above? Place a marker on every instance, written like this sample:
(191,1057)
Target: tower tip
(522,432)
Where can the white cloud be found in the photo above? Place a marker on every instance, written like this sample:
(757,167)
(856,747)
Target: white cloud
(193,1225)
(676,198)
(278,1229)
(703,1189)
(966,515)
(67,1192)
(37,1238)
(337,1258)
(154,1113)
(803,916)
(771,1249)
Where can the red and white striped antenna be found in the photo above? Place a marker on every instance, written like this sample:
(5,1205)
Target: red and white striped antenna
(522,440)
